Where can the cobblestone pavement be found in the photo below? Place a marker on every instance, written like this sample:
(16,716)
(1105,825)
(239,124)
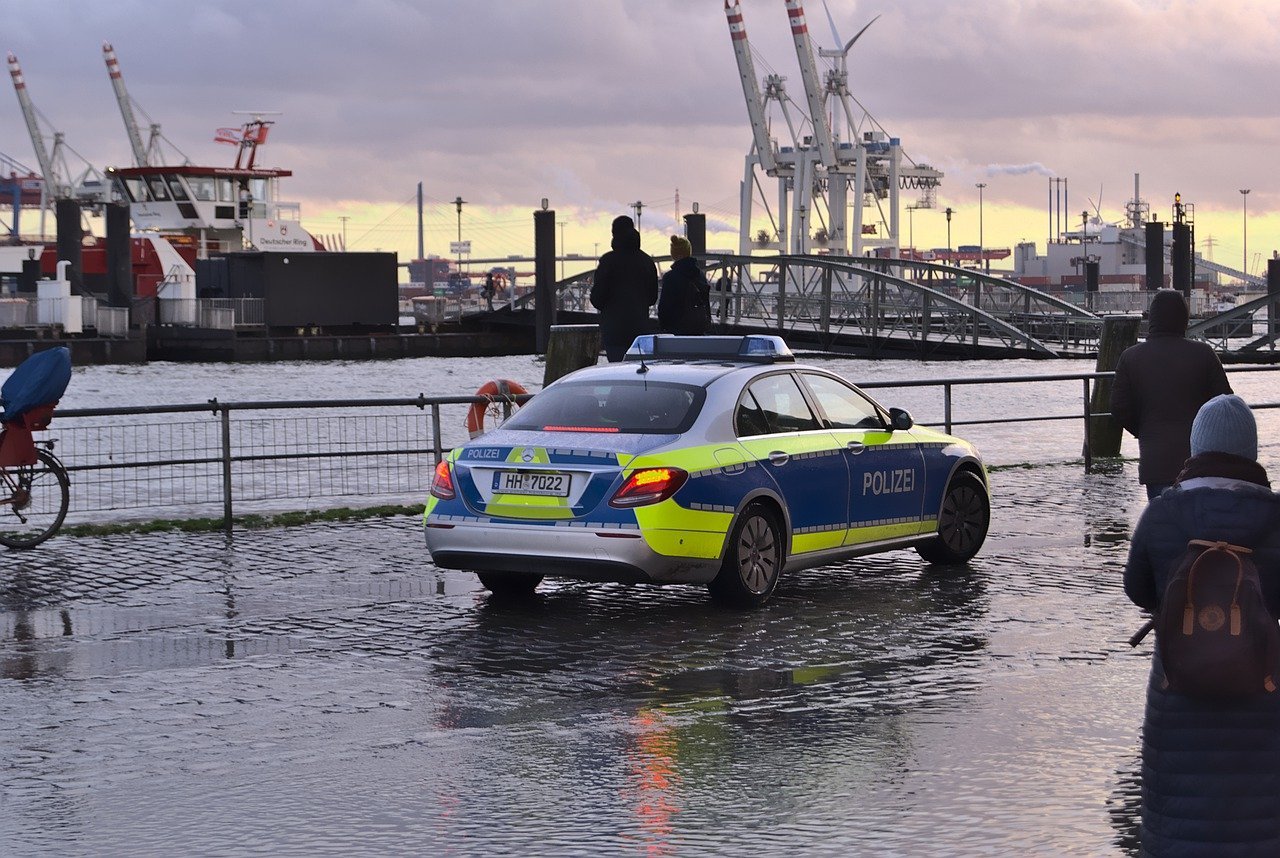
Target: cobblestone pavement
(324,689)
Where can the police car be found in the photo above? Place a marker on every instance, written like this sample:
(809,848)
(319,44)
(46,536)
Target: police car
(718,461)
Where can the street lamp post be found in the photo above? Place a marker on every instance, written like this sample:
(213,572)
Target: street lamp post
(911,229)
(1244,199)
(948,214)
(459,202)
(561,225)
(982,259)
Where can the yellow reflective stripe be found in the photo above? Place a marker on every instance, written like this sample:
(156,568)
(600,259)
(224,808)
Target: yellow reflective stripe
(803,543)
(888,531)
(685,543)
(541,508)
(539,456)
(671,530)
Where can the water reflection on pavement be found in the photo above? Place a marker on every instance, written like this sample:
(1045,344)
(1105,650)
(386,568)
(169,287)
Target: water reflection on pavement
(325,689)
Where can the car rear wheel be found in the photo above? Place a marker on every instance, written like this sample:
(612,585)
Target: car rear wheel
(752,560)
(509,584)
(962,521)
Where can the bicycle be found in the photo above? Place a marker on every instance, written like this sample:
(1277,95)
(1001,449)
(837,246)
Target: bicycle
(39,490)
(35,483)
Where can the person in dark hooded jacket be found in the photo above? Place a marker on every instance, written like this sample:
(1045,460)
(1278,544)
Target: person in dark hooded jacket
(1210,768)
(1159,385)
(624,288)
(684,303)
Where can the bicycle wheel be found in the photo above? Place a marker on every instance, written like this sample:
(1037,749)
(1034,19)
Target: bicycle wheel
(37,505)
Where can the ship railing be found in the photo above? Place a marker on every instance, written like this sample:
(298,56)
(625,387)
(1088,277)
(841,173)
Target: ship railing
(224,314)
(74,314)
(220,460)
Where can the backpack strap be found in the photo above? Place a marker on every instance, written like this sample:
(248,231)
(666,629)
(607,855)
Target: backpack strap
(1189,610)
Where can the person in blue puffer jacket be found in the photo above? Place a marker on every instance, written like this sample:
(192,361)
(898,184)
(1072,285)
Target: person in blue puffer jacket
(1210,769)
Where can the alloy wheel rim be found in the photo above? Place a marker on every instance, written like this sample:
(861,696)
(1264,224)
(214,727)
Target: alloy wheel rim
(962,518)
(757,555)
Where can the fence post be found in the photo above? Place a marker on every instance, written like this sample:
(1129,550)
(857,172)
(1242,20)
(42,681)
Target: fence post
(1088,430)
(946,408)
(782,298)
(226,465)
(435,431)
(1105,434)
(826,302)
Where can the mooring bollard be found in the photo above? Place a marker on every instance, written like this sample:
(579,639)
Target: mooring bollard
(1104,433)
(570,347)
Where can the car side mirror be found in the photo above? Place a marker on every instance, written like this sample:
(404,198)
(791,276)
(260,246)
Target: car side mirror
(900,418)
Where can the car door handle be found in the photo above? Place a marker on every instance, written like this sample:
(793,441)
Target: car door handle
(777,457)
(855,447)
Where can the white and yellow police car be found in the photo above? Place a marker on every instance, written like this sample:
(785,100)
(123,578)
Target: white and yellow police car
(701,460)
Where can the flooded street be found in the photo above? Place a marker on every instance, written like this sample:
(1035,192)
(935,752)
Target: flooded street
(324,689)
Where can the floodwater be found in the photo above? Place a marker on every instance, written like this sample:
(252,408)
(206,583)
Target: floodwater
(326,690)
(1008,444)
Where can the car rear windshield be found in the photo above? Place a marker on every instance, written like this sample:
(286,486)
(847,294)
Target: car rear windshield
(655,408)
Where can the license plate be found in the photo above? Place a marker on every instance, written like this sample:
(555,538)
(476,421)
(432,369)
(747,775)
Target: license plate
(531,483)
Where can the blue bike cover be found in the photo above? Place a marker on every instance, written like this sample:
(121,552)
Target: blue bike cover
(39,380)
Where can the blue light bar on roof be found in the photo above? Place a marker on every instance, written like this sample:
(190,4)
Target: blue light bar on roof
(755,348)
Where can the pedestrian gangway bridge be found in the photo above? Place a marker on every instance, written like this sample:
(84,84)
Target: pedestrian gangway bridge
(897,308)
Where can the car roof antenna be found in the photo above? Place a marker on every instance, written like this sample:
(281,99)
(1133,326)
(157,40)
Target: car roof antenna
(644,367)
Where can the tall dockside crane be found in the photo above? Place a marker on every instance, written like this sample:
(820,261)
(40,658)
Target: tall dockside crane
(140,154)
(144,155)
(59,183)
(816,174)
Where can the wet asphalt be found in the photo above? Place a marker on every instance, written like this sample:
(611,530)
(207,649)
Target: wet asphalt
(325,689)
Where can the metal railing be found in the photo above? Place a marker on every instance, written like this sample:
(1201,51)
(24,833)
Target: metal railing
(227,458)
(224,313)
(929,307)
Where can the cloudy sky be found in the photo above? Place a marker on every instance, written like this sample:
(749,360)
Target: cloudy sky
(596,104)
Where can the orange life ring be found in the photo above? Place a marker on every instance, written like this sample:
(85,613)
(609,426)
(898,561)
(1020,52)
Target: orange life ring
(498,390)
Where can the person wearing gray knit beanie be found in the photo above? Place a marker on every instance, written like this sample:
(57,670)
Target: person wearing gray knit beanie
(1225,424)
(1194,745)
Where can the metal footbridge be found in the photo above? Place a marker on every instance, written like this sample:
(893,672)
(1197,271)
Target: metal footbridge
(877,307)
(880,307)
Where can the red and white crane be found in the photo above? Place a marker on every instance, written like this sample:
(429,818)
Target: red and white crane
(831,172)
(88,186)
(813,90)
(750,87)
(148,154)
(140,155)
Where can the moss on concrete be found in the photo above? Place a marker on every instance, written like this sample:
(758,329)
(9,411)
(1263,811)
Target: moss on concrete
(242,522)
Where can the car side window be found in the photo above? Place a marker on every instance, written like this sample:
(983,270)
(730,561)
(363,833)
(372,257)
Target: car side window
(749,418)
(781,404)
(844,406)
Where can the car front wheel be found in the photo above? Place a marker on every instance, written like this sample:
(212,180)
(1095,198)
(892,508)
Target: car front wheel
(509,585)
(752,561)
(962,521)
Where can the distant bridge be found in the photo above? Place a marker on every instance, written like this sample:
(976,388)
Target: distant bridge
(891,308)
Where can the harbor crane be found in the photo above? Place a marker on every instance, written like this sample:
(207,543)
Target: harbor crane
(144,155)
(88,186)
(816,173)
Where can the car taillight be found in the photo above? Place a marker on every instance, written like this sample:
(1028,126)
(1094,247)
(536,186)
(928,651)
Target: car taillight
(649,485)
(442,485)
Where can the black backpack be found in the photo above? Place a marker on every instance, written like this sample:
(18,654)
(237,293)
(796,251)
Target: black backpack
(696,316)
(1215,635)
